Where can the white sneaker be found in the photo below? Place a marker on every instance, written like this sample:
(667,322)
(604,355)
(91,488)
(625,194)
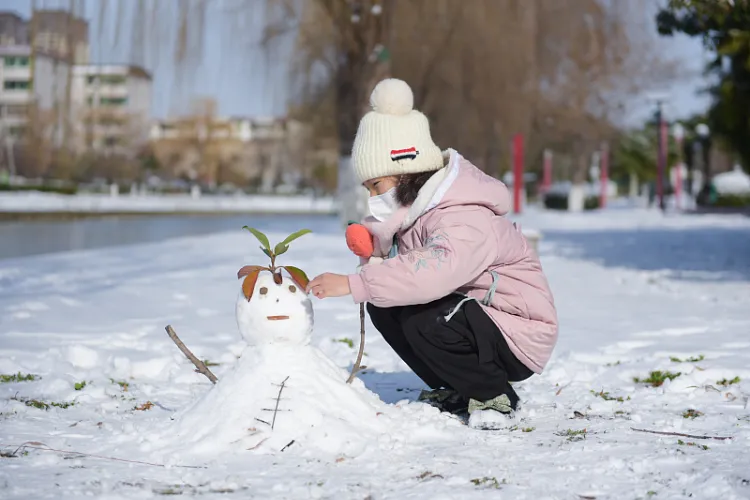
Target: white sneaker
(489,420)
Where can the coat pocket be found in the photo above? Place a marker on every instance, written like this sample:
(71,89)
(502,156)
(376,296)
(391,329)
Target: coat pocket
(512,302)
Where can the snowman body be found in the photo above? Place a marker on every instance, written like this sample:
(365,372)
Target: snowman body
(283,393)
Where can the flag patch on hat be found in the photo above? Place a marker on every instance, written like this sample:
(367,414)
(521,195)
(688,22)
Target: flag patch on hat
(404,154)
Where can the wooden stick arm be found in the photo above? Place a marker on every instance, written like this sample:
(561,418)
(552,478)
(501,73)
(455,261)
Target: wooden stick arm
(356,367)
(202,368)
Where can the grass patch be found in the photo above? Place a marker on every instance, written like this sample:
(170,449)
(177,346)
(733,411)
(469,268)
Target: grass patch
(18,377)
(651,493)
(346,341)
(177,489)
(63,405)
(606,396)
(692,414)
(145,406)
(487,482)
(80,385)
(656,378)
(573,435)
(690,443)
(693,359)
(123,384)
(616,363)
(13,454)
(41,405)
(725,383)
(66,190)
(528,429)
(35,403)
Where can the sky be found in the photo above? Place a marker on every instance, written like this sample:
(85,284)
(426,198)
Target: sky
(246,80)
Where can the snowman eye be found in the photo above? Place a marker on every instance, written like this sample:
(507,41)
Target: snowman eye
(263,290)
(292,288)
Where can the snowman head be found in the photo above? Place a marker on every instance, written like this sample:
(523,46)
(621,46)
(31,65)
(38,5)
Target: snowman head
(274,309)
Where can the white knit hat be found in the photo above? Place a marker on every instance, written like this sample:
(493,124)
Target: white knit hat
(393,138)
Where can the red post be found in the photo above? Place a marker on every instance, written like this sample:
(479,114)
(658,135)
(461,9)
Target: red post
(678,170)
(547,174)
(604,175)
(661,156)
(517,172)
(678,186)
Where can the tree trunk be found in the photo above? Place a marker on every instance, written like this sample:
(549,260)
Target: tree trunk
(633,185)
(356,75)
(348,105)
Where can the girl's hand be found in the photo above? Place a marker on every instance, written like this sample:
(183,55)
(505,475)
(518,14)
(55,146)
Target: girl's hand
(329,285)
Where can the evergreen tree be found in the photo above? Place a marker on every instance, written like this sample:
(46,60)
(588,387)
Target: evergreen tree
(724,26)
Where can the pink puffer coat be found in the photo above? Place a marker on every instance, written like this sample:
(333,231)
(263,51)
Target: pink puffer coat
(455,238)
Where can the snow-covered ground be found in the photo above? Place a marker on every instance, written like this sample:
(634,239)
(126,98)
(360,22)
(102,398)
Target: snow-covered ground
(633,289)
(30,202)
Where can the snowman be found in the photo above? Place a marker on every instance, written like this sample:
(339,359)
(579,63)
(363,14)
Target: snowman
(283,394)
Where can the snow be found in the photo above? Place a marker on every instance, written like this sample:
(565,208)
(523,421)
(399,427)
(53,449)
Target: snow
(733,182)
(30,202)
(633,289)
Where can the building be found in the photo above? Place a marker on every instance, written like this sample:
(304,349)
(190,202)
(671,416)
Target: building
(62,34)
(60,39)
(258,152)
(14,30)
(57,33)
(111,108)
(32,89)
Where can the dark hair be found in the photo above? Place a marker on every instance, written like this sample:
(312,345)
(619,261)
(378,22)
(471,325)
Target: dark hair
(409,185)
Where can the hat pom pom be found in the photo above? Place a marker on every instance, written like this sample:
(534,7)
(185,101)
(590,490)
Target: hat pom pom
(392,97)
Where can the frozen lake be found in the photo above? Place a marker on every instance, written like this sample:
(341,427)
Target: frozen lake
(34,237)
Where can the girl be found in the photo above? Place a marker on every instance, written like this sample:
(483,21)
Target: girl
(452,285)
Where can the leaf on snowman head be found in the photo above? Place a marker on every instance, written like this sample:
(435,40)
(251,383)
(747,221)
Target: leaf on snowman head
(298,275)
(283,246)
(249,284)
(294,236)
(248,269)
(280,249)
(261,237)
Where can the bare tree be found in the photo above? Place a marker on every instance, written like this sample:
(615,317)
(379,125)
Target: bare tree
(557,71)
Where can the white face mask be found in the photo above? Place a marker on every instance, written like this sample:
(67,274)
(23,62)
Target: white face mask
(383,205)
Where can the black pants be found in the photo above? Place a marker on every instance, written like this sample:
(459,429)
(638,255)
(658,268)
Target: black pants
(467,353)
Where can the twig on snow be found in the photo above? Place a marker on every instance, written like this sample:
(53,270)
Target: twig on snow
(44,447)
(356,367)
(290,443)
(278,398)
(258,444)
(692,436)
(200,365)
(557,393)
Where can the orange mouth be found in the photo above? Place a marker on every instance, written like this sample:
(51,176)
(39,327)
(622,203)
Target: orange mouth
(276,318)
